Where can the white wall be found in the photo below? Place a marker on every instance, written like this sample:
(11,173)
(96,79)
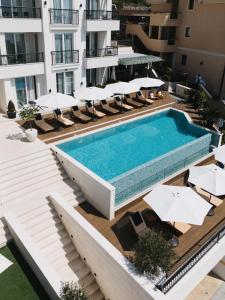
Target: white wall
(44,272)
(99,192)
(115,275)
(16,25)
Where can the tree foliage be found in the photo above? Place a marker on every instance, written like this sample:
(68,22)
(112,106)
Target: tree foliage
(11,106)
(153,254)
(121,3)
(72,291)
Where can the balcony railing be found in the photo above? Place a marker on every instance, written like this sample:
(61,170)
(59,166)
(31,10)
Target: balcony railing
(65,57)
(101,15)
(64,16)
(166,284)
(23,58)
(171,42)
(20,12)
(108,51)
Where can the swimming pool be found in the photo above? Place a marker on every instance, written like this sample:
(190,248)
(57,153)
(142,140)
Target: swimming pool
(116,153)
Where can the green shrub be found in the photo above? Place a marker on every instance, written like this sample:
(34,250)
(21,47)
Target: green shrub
(153,254)
(72,291)
(11,106)
(28,112)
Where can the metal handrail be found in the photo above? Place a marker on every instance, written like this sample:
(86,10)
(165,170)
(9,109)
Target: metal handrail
(101,14)
(20,12)
(65,57)
(108,51)
(21,58)
(64,16)
(165,284)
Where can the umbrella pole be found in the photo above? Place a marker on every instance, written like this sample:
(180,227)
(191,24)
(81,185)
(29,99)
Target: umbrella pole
(94,119)
(121,106)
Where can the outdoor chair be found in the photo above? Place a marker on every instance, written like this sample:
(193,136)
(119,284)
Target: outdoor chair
(119,103)
(138,224)
(215,201)
(153,97)
(140,97)
(61,119)
(132,102)
(77,113)
(42,124)
(160,95)
(108,109)
(93,111)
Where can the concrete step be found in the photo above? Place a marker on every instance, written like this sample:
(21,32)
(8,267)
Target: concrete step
(87,280)
(6,164)
(49,239)
(92,289)
(27,183)
(44,217)
(27,168)
(50,249)
(97,296)
(65,260)
(34,211)
(41,235)
(20,194)
(33,231)
(58,253)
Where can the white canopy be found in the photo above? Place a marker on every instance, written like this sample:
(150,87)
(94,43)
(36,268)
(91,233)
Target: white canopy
(54,101)
(122,88)
(210,178)
(220,154)
(147,82)
(92,94)
(178,204)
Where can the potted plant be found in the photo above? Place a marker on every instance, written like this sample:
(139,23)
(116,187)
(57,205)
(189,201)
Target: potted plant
(153,254)
(27,113)
(72,291)
(11,112)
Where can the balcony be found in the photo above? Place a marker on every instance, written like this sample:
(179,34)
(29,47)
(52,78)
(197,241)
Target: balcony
(164,19)
(64,17)
(100,58)
(65,57)
(19,65)
(101,20)
(20,19)
(163,45)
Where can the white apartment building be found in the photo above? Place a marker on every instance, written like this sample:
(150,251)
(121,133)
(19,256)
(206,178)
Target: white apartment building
(54,45)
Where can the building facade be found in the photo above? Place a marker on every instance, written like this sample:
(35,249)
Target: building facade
(188,34)
(53,46)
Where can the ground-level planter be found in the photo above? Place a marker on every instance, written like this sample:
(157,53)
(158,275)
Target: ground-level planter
(31,134)
(11,114)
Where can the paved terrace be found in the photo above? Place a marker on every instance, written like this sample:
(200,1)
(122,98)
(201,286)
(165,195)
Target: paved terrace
(120,232)
(79,128)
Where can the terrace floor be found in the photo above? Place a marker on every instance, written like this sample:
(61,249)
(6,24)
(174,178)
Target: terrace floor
(79,128)
(120,232)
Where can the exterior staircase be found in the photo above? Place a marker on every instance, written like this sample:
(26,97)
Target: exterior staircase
(46,230)
(29,178)
(137,30)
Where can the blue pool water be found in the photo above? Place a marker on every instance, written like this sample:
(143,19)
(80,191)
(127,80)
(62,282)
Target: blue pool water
(117,150)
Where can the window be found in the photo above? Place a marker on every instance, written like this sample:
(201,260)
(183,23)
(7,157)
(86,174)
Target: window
(64,83)
(187,31)
(25,90)
(191,4)
(63,48)
(184,60)
(155,32)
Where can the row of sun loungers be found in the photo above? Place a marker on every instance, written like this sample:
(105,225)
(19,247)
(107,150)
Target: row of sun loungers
(128,103)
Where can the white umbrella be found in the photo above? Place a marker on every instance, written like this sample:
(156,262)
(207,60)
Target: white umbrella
(54,101)
(92,94)
(220,154)
(178,204)
(122,88)
(210,178)
(147,82)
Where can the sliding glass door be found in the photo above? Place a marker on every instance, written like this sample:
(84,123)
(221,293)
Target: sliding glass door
(64,83)
(15,46)
(63,11)
(63,48)
(25,90)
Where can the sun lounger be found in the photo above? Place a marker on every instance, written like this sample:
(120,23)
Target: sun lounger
(41,124)
(138,224)
(132,102)
(181,227)
(141,98)
(120,104)
(105,106)
(77,113)
(60,118)
(153,97)
(92,110)
(211,198)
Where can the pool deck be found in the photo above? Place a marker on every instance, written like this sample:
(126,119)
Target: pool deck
(120,232)
(80,128)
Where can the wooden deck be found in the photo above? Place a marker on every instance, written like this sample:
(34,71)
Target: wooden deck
(79,128)
(120,232)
